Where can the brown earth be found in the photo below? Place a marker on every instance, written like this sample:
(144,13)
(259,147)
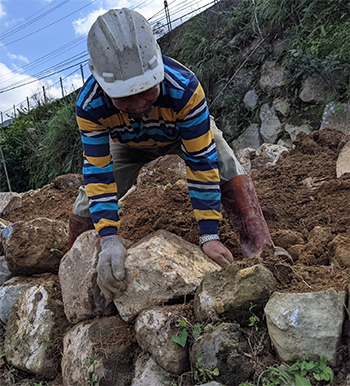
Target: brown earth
(305,205)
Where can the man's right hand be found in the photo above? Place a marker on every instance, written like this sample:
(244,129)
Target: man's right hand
(218,252)
(110,267)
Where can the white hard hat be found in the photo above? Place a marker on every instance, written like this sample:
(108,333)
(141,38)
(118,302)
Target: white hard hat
(125,58)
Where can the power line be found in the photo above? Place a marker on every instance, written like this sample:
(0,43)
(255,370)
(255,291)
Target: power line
(51,55)
(57,67)
(49,25)
(18,27)
(43,77)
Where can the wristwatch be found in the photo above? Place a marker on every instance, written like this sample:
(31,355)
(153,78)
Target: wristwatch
(206,238)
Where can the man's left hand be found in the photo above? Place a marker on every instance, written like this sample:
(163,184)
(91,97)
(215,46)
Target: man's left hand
(218,252)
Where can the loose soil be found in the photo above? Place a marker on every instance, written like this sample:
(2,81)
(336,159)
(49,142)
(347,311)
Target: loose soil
(306,207)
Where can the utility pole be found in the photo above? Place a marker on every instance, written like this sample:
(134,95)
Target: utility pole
(44,95)
(82,73)
(167,15)
(62,88)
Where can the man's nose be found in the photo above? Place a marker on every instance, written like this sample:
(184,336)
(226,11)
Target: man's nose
(139,103)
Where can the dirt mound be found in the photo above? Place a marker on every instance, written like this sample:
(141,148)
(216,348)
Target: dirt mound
(304,204)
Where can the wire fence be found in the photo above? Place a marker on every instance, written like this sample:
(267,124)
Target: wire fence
(79,62)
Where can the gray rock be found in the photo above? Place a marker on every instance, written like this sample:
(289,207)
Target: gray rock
(77,272)
(106,344)
(316,89)
(155,328)
(250,138)
(149,373)
(267,155)
(294,130)
(271,77)
(336,116)
(3,224)
(9,293)
(250,99)
(232,292)
(5,273)
(161,267)
(244,156)
(35,320)
(9,201)
(213,383)
(222,348)
(35,246)
(306,325)
(282,106)
(271,127)
(343,161)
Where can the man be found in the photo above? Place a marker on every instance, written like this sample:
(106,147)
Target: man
(137,106)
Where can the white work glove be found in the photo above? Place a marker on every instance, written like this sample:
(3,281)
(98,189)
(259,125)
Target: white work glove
(110,267)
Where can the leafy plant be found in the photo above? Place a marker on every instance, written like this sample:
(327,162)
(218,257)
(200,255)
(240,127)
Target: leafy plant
(90,363)
(196,331)
(300,372)
(253,319)
(56,146)
(202,374)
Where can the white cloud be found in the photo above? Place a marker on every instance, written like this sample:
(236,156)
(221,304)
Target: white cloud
(2,10)
(16,96)
(20,58)
(82,26)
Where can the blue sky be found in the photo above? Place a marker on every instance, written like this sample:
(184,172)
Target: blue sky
(42,41)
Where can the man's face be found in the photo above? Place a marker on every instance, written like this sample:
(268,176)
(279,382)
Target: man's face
(138,105)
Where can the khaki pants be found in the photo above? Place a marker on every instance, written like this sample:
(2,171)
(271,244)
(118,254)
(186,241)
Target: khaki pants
(127,163)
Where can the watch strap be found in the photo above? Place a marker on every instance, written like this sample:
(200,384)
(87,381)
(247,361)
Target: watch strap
(204,239)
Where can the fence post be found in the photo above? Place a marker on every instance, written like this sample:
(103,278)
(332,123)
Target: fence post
(28,104)
(7,176)
(2,120)
(14,110)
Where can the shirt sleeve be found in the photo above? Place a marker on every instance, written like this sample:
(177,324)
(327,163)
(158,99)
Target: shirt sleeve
(201,159)
(99,182)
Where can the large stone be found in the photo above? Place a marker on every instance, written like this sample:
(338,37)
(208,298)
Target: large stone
(316,89)
(222,348)
(343,161)
(249,138)
(5,273)
(244,157)
(271,127)
(306,325)
(271,77)
(36,321)
(9,293)
(267,155)
(77,272)
(159,268)
(250,99)
(232,293)
(336,116)
(9,201)
(294,130)
(155,328)
(106,346)
(35,246)
(149,373)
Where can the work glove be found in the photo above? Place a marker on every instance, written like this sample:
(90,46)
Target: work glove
(110,268)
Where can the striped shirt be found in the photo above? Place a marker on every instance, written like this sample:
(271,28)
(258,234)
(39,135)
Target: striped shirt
(180,112)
